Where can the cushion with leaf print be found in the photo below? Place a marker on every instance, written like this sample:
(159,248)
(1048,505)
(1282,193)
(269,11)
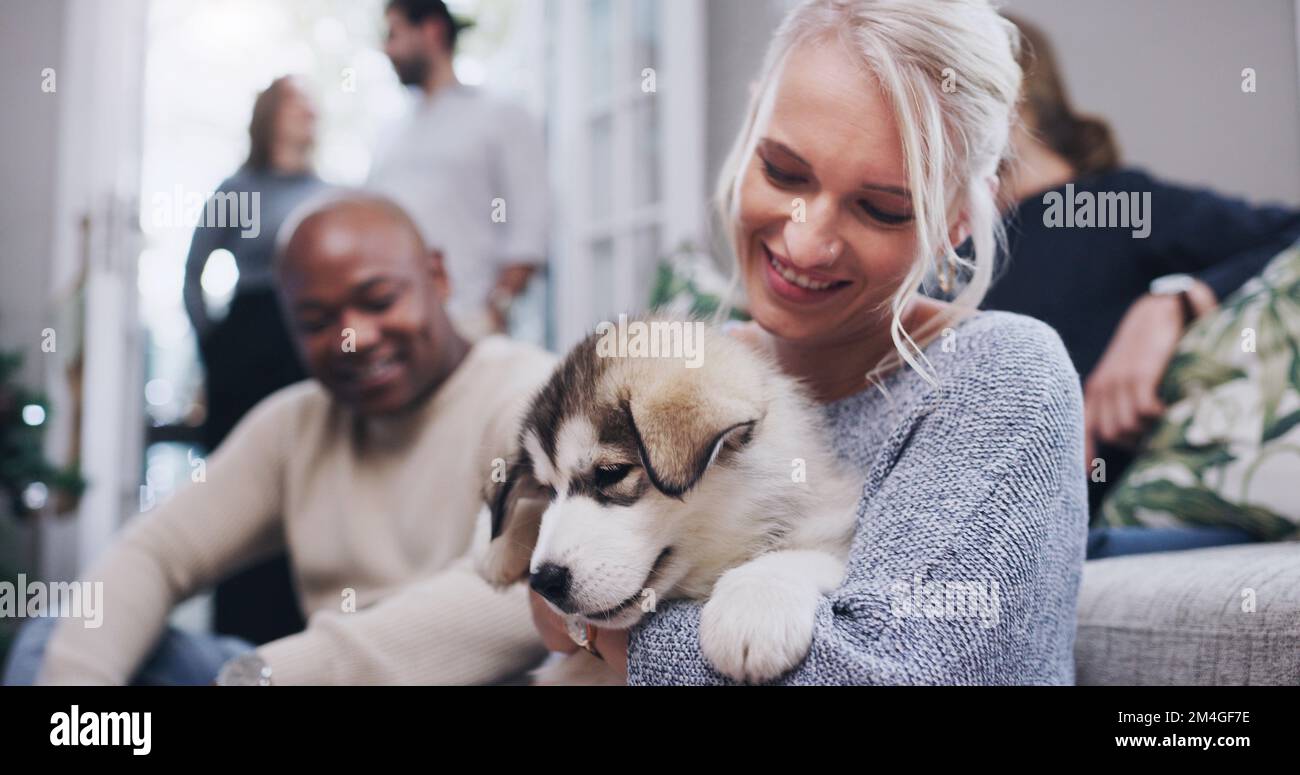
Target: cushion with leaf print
(1227,451)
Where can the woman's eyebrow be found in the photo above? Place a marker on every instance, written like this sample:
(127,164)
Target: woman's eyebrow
(776,145)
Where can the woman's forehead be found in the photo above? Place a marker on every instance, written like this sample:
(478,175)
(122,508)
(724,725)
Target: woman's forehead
(834,113)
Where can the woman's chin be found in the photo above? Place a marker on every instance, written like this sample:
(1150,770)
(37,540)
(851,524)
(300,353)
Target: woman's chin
(788,324)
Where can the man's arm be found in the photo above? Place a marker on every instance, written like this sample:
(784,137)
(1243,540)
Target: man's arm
(451,628)
(202,533)
(1224,241)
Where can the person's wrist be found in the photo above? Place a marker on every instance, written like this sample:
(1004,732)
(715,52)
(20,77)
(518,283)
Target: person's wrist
(1183,295)
(1202,297)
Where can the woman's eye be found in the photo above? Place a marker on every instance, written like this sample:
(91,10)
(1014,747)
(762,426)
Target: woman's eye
(781,177)
(884,216)
(607,476)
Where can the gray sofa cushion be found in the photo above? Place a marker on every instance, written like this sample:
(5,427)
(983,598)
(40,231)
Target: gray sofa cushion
(1184,618)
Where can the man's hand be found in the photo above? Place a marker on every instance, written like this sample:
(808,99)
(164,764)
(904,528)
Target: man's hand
(510,283)
(1120,399)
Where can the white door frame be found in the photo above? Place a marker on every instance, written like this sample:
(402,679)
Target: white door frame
(96,231)
(681,210)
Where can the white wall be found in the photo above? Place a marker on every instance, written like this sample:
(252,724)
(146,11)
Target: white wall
(1167,74)
(31,37)
(738,35)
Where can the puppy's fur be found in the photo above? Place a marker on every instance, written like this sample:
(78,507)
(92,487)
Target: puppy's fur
(638,480)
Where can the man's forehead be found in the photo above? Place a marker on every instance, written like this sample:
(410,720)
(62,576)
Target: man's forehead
(350,238)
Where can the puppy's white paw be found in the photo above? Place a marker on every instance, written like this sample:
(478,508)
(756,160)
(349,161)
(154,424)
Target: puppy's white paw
(757,626)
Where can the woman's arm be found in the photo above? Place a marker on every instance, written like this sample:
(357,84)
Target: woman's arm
(205,240)
(984,506)
(203,532)
(1222,240)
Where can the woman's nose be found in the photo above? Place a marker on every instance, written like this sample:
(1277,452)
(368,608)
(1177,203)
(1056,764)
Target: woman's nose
(813,241)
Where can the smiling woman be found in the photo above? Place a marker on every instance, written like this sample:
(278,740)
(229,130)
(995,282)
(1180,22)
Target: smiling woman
(855,176)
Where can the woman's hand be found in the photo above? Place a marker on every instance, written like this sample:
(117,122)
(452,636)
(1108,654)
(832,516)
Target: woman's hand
(1120,396)
(611,644)
(550,625)
(612,647)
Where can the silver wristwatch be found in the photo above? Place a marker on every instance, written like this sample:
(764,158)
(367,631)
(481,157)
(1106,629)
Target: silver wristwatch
(245,670)
(1172,284)
(1176,286)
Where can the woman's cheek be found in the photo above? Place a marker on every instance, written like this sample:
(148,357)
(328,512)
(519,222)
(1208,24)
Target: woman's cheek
(888,256)
(762,204)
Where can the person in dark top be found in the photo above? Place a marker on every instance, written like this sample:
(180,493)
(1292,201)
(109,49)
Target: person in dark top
(1119,296)
(248,354)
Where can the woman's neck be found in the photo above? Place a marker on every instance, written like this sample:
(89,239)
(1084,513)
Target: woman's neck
(290,158)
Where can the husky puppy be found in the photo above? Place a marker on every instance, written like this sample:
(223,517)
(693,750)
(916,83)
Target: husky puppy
(644,479)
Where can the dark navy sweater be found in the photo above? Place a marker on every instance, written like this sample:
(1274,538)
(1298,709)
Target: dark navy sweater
(1081,280)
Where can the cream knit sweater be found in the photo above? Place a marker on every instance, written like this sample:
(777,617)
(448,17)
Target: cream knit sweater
(380,512)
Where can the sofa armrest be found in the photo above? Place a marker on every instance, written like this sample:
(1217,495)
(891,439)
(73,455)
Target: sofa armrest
(1226,615)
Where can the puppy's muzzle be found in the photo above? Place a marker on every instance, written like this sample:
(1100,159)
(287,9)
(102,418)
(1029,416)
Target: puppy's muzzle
(552,582)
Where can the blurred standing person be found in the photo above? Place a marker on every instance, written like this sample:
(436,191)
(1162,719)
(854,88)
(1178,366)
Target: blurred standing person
(470,169)
(248,354)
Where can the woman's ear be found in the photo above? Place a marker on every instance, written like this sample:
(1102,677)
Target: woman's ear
(959,232)
(994,182)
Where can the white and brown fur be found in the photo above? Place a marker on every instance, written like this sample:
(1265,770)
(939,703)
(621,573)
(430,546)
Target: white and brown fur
(637,473)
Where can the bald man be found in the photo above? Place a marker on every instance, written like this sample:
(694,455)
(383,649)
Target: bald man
(370,475)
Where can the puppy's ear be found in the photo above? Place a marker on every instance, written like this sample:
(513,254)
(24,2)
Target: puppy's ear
(681,430)
(516,506)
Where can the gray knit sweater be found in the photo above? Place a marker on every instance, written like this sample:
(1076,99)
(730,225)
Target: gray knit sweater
(970,531)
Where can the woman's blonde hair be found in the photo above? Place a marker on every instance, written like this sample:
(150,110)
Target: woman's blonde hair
(949,68)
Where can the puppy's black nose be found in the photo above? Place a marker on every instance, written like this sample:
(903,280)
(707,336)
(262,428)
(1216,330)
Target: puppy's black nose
(551,582)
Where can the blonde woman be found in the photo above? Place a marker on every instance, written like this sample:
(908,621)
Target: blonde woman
(882,123)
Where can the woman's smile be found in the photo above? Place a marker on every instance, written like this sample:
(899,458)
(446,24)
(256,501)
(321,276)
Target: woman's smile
(797,286)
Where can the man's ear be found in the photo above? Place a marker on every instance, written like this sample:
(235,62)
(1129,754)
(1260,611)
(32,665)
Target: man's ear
(515,506)
(434,34)
(679,433)
(438,271)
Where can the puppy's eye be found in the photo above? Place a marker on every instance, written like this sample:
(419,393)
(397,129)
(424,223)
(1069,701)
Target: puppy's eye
(607,476)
